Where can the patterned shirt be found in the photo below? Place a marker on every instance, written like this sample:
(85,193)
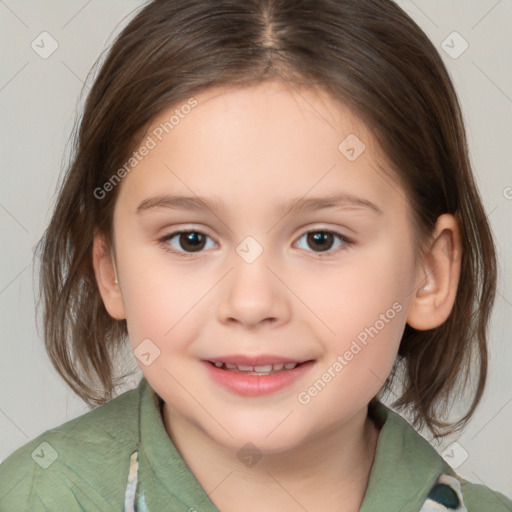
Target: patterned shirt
(119,456)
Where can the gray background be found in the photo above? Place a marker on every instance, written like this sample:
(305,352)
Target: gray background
(39,99)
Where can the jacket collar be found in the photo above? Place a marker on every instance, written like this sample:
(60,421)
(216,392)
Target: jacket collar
(405,467)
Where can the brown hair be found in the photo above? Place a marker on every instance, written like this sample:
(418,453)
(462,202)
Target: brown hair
(370,56)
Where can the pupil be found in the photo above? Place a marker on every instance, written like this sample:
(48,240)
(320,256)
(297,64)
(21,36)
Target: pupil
(193,239)
(319,239)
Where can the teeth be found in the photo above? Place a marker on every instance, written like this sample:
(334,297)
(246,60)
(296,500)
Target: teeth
(259,369)
(244,368)
(267,368)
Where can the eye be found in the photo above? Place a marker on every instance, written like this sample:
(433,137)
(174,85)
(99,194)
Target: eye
(186,242)
(323,240)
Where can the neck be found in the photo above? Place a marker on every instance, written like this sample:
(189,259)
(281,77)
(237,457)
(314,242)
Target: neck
(329,472)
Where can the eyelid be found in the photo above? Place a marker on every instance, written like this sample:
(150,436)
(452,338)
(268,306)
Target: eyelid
(335,230)
(187,229)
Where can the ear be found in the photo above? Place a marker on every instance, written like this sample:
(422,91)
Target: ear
(106,277)
(438,276)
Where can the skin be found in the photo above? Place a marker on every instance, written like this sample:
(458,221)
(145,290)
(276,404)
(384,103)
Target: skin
(256,148)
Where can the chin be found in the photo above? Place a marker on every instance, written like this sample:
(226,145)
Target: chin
(268,437)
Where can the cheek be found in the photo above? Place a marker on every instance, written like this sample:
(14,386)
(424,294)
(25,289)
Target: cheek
(359,293)
(360,352)
(363,311)
(163,301)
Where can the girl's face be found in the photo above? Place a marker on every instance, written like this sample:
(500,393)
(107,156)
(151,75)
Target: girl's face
(303,254)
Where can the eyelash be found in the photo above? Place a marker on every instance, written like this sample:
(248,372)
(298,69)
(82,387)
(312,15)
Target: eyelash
(346,242)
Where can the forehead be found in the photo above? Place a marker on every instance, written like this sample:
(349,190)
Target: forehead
(277,104)
(238,142)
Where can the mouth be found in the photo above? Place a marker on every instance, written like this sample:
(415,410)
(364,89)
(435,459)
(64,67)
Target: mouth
(266,369)
(251,375)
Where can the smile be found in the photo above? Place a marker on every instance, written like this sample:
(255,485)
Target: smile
(256,370)
(256,379)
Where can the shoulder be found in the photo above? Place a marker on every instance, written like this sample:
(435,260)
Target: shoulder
(451,492)
(480,497)
(419,469)
(78,465)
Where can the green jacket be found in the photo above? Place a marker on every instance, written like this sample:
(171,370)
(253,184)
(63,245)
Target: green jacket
(119,457)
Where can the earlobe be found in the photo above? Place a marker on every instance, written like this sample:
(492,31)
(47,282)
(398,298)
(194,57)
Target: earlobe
(438,277)
(106,278)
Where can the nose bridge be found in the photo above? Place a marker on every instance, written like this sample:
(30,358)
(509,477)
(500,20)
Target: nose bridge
(253,293)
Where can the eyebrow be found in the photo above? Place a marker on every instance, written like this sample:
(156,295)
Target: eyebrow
(342,201)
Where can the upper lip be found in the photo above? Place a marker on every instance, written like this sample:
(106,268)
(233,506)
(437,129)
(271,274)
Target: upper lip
(256,360)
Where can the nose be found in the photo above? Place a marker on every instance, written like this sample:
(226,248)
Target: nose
(253,294)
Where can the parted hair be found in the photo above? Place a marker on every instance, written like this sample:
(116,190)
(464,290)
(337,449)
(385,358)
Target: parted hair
(367,54)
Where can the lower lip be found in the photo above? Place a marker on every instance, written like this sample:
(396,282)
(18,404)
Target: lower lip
(253,385)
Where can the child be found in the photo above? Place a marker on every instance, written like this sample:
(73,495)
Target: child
(221,142)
